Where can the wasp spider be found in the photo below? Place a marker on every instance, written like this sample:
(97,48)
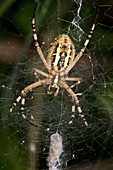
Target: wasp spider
(60,60)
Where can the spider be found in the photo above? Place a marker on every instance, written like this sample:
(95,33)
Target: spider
(60,60)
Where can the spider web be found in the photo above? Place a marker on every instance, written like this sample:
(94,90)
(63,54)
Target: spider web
(54,144)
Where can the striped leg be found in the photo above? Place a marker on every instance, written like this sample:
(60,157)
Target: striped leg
(75,103)
(80,113)
(37,71)
(36,40)
(77,79)
(21,98)
(15,103)
(22,109)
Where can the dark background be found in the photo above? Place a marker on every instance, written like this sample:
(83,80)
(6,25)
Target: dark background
(18,57)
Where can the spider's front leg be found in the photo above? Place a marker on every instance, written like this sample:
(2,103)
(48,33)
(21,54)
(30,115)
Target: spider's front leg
(75,103)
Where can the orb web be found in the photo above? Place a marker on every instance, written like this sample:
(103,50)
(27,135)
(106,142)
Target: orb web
(55,144)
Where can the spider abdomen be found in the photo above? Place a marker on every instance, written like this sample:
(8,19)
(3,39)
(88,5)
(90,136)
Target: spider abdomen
(61,53)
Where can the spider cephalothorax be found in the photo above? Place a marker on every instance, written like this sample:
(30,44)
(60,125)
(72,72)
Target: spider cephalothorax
(61,59)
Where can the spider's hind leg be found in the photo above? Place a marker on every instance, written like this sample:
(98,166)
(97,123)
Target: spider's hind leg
(75,103)
(22,109)
(73,116)
(15,103)
(22,100)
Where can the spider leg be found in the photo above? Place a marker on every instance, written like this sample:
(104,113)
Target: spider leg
(36,40)
(15,103)
(73,79)
(22,99)
(77,79)
(75,84)
(79,55)
(75,102)
(23,95)
(37,71)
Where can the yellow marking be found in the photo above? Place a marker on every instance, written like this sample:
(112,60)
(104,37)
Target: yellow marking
(56,80)
(37,45)
(11,109)
(22,108)
(23,101)
(73,116)
(23,92)
(14,104)
(70,122)
(79,110)
(23,116)
(35,36)
(86,42)
(73,108)
(93,27)
(33,29)
(57,55)
(67,57)
(32,117)
(86,123)
(89,36)
(33,21)
(18,99)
